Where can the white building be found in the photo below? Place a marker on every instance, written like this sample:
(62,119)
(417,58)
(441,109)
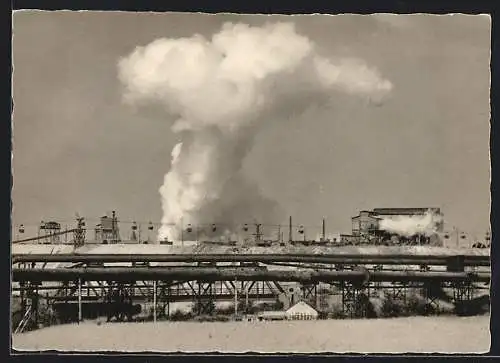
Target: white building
(301,311)
(272,315)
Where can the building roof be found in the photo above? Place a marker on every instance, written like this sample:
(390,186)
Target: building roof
(405,211)
(301,308)
(272,314)
(371,216)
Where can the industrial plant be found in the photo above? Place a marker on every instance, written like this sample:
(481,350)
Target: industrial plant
(124,273)
(380,226)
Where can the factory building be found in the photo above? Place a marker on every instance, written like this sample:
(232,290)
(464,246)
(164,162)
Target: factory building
(49,232)
(368,224)
(108,231)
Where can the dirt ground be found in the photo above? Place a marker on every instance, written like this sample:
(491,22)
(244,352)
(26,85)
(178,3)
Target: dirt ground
(398,335)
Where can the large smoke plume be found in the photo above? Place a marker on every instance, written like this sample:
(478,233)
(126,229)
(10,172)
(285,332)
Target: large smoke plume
(221,91)
(408,226)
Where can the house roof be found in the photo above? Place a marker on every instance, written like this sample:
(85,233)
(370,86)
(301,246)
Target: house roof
(301,308)
(278,313)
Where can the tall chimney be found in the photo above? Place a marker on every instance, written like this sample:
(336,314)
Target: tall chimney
(323,231)
(290,230)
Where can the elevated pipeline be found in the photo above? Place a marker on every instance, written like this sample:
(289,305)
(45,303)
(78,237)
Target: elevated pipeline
(471,260)
(241,274)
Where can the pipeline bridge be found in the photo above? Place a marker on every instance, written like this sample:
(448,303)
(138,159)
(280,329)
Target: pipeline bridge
(85,285)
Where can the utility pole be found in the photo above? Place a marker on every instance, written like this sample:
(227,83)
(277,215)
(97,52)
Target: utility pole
(235,297)
(182,231)
(113,226)
(79,232)
(258,233)
(246,298)
(154,301)
(150,228)
(79,300)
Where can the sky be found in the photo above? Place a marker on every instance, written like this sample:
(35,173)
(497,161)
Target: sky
(79,148)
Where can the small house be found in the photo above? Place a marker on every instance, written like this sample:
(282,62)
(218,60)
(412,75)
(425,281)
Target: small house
(272,315)
(301,311)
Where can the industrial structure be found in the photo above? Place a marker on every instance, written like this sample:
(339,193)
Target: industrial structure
(107,231)
(50,232)
(84,286)
(78,283)
(367,229)
(367,226)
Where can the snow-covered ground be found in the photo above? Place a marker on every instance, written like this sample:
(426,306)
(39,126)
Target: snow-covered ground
(397,335)
(138,249)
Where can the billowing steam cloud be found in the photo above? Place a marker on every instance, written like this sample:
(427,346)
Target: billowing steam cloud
(408,226)
(222,90)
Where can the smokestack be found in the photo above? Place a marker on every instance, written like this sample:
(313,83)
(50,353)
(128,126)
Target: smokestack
(323,238)
(290,230)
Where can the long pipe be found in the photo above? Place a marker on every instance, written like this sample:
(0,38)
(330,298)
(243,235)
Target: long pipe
(174,297)
(190,258)
(241,274)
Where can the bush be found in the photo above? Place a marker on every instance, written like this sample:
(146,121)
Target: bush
(201,307)
(477,306)
(221,318)
(227,310)
(278,305)
(429,309)
(391,308)
(211,318)
(322,315)
(415,306)
(267,306)
(337,313)
(46,315)
(364,308)
(180,316)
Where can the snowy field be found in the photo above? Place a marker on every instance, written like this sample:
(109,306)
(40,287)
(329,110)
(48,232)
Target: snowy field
(138,249)
(398,335)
